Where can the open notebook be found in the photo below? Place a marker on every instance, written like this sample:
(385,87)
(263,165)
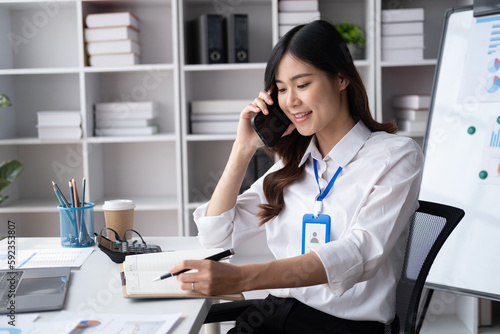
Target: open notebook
(138,272)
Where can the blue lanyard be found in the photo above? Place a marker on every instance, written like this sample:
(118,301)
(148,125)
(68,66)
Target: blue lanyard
(324,193)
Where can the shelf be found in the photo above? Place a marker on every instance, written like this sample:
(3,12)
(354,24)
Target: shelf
(211,137)
(30,206)
(225,67)
(246,66)
(362,63)
(157,203)
(133,139)
(112,5)
(34,71)
(425,62)
(36,141)
(93,140)
(210,2)
(134,68)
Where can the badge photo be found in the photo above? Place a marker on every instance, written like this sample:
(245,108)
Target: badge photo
(315,231)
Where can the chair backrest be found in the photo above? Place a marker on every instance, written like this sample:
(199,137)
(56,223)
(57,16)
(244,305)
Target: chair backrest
(430,226)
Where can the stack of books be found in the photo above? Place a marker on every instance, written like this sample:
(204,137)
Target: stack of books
(403,34)
(295,12)
(59,124)
(411,112)
(216,116)
(112,39)
(126,118)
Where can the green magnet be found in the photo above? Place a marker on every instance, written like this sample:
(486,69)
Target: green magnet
(471,130)
(483,174)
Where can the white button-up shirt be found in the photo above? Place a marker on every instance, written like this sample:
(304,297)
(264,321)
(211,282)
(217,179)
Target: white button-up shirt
(370,205)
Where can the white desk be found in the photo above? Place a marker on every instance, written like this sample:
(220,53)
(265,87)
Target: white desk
(96,287)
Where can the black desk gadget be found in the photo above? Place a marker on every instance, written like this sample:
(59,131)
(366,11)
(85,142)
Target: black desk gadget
(117,250)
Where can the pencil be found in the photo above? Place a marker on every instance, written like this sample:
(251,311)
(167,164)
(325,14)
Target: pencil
(83,192)
(65,201)
(58,195)
(71,194)
(60,198)
(73,203)
(83,230)
(75,191)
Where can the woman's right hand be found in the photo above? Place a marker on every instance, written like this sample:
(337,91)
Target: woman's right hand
(244,147)
(246,134)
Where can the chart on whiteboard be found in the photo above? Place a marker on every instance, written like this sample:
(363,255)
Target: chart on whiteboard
(481,79)
(489,170)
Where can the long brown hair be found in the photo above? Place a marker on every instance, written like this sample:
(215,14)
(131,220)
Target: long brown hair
(320,45)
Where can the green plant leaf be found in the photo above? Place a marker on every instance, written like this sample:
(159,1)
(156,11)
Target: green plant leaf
(5,101)
(351,33)
(9,171)
(3,184)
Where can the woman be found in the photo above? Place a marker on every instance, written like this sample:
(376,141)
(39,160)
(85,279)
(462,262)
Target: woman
(345,282)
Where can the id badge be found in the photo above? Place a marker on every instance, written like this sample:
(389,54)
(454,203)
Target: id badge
(315,231)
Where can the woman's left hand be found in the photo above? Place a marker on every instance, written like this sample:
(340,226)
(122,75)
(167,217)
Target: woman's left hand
(212,278)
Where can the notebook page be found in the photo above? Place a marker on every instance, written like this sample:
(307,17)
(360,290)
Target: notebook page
(140,270)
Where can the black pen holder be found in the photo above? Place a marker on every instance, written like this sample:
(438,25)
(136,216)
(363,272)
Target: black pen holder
(77,226)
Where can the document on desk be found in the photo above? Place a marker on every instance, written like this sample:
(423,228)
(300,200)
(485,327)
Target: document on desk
(138,272)
(47,258)
(120,323)
(27,323)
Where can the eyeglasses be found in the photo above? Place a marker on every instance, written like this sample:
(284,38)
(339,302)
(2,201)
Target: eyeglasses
(127,235)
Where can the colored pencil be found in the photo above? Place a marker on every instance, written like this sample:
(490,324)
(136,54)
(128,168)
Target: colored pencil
(62,200)
(75,192)
(65,201)
(83,230)
(83,192)
(74,205)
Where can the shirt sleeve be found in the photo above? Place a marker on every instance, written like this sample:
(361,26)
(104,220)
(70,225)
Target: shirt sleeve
(380,221)
(237,224)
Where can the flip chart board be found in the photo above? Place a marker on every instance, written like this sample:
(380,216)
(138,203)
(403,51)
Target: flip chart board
(462,152)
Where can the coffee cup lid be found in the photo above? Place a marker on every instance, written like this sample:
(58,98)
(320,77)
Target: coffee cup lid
(118,204)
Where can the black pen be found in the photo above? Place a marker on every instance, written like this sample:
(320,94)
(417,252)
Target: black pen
(216,257)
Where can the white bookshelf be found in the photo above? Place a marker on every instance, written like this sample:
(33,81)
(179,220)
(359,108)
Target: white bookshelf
(46,69)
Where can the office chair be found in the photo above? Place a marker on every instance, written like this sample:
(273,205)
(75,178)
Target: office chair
(430,226)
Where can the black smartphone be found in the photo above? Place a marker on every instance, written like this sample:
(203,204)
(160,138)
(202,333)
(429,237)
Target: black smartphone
(271,127)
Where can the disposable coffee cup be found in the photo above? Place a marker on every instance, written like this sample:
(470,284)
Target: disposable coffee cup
(119,216)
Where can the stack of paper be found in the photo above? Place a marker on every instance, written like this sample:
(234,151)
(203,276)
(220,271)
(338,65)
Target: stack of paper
(126,118)
(295,12)
(59,124)
(112,39)
(216,116)
(412,112)
(403,34)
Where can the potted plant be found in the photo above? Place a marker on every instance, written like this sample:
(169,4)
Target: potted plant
(10,169)
(353,36)
(5,101)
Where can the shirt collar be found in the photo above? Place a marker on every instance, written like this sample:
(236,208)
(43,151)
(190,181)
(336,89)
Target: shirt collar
(346,148)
